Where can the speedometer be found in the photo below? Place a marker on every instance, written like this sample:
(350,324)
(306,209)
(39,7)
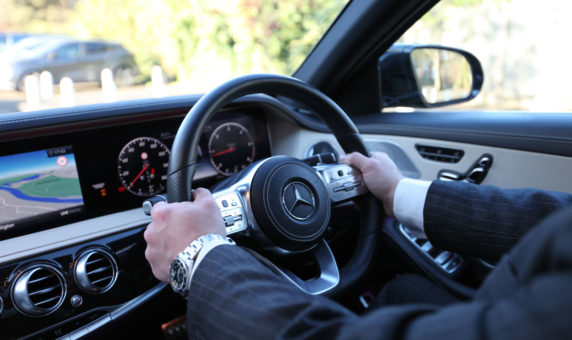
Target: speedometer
(231,148)
(143,165)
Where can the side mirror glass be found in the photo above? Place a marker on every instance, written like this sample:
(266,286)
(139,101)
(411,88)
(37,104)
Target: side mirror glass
(428,76)
(442,75)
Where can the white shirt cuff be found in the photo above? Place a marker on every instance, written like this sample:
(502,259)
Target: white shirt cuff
(203,252)
(408,204)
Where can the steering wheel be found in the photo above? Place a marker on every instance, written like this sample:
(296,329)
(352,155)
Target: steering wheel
(280,202)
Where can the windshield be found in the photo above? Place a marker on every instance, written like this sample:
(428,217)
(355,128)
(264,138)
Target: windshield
(148,48)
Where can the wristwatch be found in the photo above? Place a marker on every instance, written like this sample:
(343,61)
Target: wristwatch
(182,266)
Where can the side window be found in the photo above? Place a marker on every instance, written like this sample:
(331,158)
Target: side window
(68,52)
(95,48)
(522,47)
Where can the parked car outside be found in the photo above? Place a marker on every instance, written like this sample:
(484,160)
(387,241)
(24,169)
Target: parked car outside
(82,61)
(9,39)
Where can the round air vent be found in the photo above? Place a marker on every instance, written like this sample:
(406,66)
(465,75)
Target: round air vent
(95,271)
(39,290)
(321,147)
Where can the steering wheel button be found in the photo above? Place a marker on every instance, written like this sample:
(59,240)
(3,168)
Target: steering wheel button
(228,221)
(338,189)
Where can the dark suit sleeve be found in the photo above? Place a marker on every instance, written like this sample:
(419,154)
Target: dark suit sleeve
(233,295)
(527,297)
(484,221)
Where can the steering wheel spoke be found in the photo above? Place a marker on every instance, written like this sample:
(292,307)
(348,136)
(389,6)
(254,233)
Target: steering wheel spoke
(329,274)
(342,182)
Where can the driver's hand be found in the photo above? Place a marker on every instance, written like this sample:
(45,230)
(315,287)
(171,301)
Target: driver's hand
(380,174)
(174,226)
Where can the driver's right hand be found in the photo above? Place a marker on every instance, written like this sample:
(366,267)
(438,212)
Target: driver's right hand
(380,174)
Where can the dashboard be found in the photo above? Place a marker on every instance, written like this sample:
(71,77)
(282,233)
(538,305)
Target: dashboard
(71,223)
(55,180)
(72,253)
(72,183)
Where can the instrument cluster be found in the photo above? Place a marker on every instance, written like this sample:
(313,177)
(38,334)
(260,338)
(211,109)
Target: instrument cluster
(116,167)
(227,146)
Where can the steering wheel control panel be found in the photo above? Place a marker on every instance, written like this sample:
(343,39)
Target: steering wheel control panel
(342,181)
(232,211)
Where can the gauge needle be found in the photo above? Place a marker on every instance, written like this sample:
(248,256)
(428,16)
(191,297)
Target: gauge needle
(223,152)
(141,173)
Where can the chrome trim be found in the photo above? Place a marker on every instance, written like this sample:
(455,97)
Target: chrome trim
(21,297)
(81,275)
(19,248)
(242,189)
(329,273)
(342,181)
(449,176)
(76,301)
(298,199)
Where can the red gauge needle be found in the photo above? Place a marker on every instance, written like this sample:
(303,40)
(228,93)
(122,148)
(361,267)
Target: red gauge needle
(141,173)
(223,152)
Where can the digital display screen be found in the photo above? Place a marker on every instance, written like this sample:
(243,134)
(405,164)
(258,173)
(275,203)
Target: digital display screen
(38,187)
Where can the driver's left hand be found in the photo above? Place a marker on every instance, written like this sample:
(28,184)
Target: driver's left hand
(174,226)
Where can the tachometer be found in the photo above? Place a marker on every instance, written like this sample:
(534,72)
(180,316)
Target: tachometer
(143,165)
(230,148)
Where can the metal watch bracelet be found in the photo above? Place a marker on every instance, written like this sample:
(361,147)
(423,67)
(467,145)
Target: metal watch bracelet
(181,268)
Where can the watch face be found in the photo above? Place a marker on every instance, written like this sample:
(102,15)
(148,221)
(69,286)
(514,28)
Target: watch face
(178,275)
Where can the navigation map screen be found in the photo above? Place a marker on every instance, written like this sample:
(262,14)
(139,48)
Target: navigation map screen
(38,187)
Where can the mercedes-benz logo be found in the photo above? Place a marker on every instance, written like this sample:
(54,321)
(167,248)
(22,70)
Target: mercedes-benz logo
(298,200)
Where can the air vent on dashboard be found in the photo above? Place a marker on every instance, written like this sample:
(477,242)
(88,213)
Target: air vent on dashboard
(39,290)
(440,154)
(319,148)
(96,271)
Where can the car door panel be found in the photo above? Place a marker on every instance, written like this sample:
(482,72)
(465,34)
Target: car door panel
(549,133)
(510,169)
(529,150)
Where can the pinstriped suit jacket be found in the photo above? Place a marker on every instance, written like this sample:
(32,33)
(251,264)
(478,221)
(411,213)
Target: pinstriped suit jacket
(484,221)
(528,296)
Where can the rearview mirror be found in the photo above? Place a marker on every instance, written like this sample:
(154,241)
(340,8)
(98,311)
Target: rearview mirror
(428,76)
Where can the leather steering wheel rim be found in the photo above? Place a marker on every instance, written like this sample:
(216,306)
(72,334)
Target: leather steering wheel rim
(182,163)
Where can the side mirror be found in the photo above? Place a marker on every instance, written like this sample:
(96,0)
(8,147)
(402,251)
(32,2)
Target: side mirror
(428,76)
